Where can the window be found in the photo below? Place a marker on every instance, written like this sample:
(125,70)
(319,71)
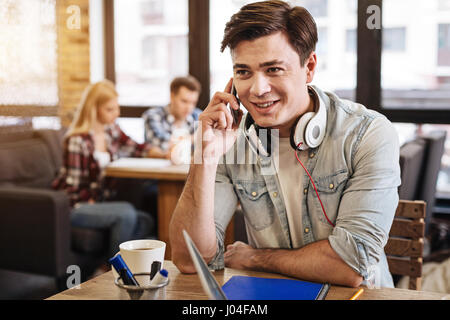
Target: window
(444,45)
(28,55)
(394,39)
(152,12)
(151,48)
(221,69)
(444,5)
(322,47)
(317,8)
(350,40)
(415,71)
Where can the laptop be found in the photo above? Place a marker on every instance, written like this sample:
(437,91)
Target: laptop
(209,283)
(253,288)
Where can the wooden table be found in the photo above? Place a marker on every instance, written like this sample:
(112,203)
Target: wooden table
(171,180)
(188,287)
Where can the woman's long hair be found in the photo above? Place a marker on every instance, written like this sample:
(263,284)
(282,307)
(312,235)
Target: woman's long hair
(93,96)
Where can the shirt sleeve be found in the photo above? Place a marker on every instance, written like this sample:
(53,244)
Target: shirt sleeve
(225,203)
(155,132)
(75,176)
(370,198)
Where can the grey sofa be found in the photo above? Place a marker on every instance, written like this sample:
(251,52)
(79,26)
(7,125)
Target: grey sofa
(35,231)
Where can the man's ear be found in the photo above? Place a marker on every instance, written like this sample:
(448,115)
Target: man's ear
(310,66)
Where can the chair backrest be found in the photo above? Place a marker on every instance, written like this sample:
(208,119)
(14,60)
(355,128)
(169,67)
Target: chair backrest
(412,156)
(430,170)
(404,248)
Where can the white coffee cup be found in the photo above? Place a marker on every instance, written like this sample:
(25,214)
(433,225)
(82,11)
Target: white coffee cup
(140,254)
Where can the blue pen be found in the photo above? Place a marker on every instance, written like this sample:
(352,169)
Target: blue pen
(123,270)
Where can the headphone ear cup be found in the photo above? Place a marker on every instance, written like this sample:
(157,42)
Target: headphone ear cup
(313,133)
(300,131)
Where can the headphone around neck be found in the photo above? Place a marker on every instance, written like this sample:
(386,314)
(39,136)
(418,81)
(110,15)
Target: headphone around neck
(308,130)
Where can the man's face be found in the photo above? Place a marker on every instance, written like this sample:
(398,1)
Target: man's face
(270,81)
(108,112)
(183,103)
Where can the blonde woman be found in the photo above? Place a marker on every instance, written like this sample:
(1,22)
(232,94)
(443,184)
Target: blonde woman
(92,141)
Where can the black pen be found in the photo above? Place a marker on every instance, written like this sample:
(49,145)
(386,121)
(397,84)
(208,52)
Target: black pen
(156,266)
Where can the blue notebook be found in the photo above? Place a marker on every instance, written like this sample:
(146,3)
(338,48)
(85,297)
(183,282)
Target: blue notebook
(253,288)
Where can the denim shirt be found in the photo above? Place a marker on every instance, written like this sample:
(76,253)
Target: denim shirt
(356,176)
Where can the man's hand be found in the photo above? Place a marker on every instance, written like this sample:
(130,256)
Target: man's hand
(218,131)
(316,262)
(194,212)
(238,255)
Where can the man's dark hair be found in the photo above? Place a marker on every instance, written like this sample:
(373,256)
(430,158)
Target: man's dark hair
(263,18)
(189,82)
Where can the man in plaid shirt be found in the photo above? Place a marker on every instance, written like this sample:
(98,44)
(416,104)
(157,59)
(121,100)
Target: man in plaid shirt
(164,127)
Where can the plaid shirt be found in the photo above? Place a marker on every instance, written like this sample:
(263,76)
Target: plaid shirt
(159,127)
(81,176)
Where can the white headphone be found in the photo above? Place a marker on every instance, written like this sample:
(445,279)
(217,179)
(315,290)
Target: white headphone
(309,129)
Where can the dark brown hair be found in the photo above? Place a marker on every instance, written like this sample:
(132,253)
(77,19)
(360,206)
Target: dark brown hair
(263,18)
(189,82)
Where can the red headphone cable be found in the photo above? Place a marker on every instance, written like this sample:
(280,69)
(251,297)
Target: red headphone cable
(315,189)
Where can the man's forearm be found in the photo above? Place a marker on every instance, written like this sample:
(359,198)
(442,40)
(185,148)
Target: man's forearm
(195,213)
(315,262)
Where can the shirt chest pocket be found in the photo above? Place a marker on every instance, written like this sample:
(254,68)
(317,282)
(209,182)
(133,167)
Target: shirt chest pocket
(330,189)
(256,203)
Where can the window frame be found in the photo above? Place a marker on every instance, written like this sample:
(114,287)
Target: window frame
(369,54)
(368,87)
(198,11)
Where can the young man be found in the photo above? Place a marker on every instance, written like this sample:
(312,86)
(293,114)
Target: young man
(164,127)
(351,153)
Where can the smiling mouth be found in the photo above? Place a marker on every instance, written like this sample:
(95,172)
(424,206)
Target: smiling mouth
(265,104)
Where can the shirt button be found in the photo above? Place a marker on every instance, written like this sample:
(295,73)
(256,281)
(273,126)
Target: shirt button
(331,186)
(305,191)
(275,194)
(306,230)
(254,193)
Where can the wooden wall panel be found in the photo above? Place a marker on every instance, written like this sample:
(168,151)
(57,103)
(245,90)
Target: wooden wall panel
(73,57)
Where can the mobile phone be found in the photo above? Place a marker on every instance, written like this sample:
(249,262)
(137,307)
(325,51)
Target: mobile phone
(235,113)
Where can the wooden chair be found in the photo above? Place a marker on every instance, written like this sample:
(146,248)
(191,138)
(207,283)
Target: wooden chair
(404,248)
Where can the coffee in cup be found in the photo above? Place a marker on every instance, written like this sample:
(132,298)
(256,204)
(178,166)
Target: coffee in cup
(140,254)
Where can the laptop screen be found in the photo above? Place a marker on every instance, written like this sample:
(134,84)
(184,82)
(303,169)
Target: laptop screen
(209,283)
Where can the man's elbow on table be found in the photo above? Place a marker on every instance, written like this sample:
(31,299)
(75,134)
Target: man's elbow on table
(354,280)
(184,264)
(183,261)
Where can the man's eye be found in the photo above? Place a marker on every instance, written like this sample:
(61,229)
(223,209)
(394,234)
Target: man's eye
(241,72)
(273,70)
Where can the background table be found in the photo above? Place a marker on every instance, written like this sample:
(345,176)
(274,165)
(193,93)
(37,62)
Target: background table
(188,287)
(171,180)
